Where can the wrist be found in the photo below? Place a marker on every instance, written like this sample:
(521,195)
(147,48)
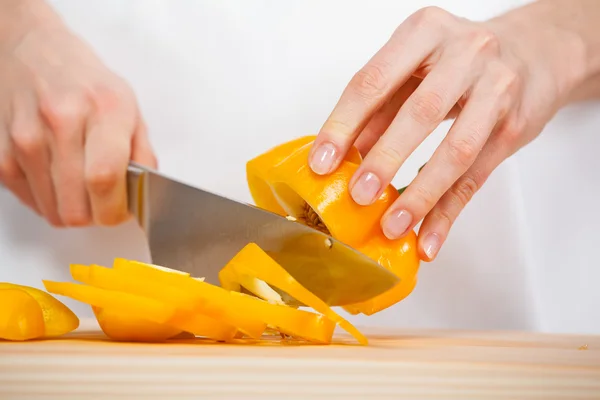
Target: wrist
(561,35)
(19,17)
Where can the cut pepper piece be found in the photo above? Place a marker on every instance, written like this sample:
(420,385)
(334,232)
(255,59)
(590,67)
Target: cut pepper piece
(211,297)
(58,318)
(21,317)
(115,323)
(122,326)
(252,260)
(250,315)
(143,307)
(293,322)
(205,326)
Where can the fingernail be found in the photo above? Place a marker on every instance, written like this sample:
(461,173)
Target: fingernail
(323,158)
(396,224)
(431,245)
(365,189)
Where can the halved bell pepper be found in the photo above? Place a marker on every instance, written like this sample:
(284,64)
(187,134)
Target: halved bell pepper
(58,318)
(325,203)
(21,316)
(253,261)
(258,169)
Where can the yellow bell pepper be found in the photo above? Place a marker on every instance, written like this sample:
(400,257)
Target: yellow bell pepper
(21,316)
(258,169)
(58,318)
(325,203)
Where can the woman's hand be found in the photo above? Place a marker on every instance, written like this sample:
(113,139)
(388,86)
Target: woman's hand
(68,125)
(502,79)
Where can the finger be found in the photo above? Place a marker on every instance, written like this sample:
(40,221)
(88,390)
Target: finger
(384,117)
(11,174)
(413,44)
(452,158)
(141,148)
(65,116)
(107,153)
(438,222)
(32,153)
(418,117)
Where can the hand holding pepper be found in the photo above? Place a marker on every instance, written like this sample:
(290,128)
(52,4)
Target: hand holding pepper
(503,80)
(68,125)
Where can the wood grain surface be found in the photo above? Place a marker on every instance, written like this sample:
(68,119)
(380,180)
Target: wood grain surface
(396,364)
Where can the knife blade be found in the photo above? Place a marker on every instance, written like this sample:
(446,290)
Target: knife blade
(197,231)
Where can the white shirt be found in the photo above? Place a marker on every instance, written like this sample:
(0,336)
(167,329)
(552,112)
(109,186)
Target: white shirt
(221,81)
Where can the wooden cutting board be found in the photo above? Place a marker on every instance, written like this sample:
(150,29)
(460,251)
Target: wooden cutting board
(397,364)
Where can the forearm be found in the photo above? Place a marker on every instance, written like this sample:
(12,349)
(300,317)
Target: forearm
(571,28)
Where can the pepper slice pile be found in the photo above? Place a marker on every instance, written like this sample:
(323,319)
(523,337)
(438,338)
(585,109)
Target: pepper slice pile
(29,313)
(134,301)
(281,181)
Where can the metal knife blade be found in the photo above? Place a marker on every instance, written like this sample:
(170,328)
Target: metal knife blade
(196,231)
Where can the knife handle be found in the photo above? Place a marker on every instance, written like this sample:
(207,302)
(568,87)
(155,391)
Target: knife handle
(136,192)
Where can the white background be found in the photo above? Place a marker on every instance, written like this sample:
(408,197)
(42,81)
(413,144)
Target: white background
(221,81)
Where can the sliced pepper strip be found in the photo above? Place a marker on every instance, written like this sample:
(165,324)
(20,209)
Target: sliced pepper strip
(252,260)
(250,315)
(143,307)
(58,318)
(209,295)
(188,304)
(124,281)
(325,203)
(21,317)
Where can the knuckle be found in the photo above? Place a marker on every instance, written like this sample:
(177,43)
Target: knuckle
(390,155)
(510,133)
(63,110)
(464,189)
(424,195)
(463,151)
(444,214)
(426,108)
(28,142)
(485,41)
(102,179)
(108,97)
(10,170)
(75,218)
(430,15)
(506,83)
(370,82)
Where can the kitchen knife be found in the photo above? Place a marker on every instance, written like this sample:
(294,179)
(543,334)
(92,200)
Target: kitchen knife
(196,231)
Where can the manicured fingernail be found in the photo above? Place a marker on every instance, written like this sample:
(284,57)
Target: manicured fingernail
(431,245)
(366,188)
(323,158)
(396,224)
